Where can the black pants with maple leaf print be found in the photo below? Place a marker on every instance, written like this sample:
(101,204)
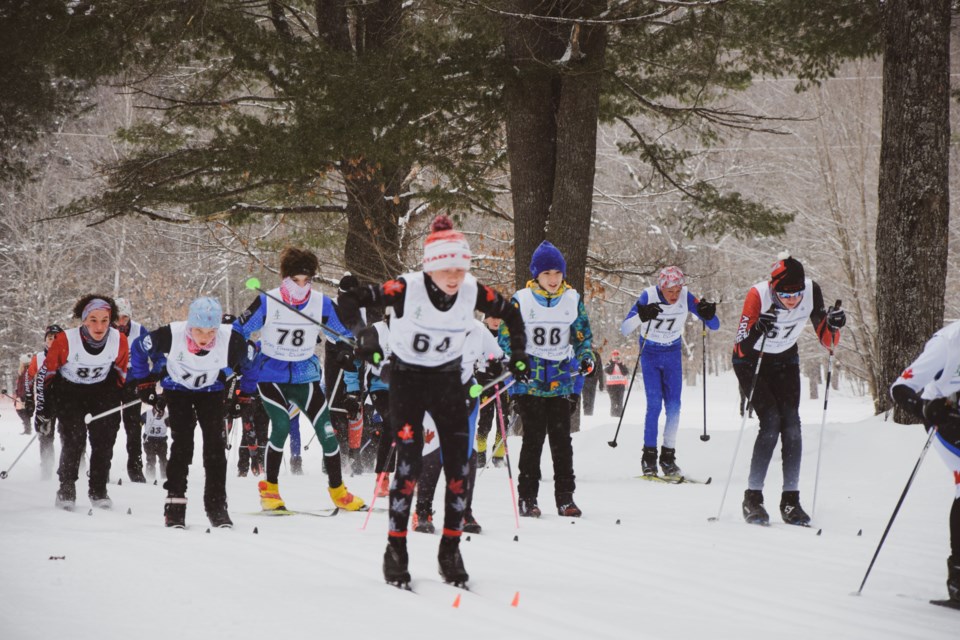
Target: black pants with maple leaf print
(413,392)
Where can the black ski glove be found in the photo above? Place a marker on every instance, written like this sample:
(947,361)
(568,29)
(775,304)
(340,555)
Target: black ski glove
(351,404)
(43,425)
(647,312)
(519,367)
(942,413)
(494,367)
(586,366)
(765,322)
(707,310)
(836,318)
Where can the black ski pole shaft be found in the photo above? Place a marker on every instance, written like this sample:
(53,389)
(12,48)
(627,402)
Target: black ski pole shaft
(916,467)
(823,423)
(254,284)
(623,409)
(743,424)
(4,474)
(703,336)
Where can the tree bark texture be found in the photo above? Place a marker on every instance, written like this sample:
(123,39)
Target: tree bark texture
(913,216)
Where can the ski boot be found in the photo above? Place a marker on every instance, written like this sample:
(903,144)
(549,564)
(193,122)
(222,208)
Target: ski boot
(953,578)
(296,465)
(383,486)
(135,470)
(218,516)
(100,499)
(270,499)
(753,511)
(395,562)
(175,512)
(241,473)
(450,563)
(423,520)
(528,508)
(567,507)
(346,500)
(791,511)
(66,496)
(648,462)
(668,462)
(470,524)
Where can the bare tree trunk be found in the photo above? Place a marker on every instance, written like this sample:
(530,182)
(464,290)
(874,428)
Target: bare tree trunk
(374,208)
(914,193)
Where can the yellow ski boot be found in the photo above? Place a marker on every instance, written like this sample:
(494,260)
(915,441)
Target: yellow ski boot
(270,499)
(344,499)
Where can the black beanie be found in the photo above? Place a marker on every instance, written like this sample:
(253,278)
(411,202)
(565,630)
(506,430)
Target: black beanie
(787,275)
(347,282)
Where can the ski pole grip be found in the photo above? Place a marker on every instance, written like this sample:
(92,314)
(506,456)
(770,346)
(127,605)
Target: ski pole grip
(837,305)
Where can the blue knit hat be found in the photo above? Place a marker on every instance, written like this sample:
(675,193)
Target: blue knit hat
(545,258)
(204,313)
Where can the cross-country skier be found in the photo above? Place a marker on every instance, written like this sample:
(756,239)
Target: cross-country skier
(662,310)
(46,439)
(22,397)
(591,382)
(131,415)
(375,338)
(486,420)
(432,312)
(617,375)
(557,332)
(927,389)
(202,356)
(288,370)
(779,308)
(156,423)
(83,373)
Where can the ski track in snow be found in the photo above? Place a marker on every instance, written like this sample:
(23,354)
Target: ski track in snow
(664,571)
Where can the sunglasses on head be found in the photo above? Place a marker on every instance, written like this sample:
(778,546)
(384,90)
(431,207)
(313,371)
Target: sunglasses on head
(789,296)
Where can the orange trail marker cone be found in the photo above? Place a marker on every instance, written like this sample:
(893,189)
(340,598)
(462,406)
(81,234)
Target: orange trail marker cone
(516,600)
(456,602)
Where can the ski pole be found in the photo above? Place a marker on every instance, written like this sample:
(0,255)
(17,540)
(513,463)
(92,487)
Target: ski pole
(376,486)
(743,424)
(623,409)
(336,385)
(823,424)
(704,437)
(494,396)
(506,454)
(254,283)
(87,419)
(896,509)
(477,389)
(4,474)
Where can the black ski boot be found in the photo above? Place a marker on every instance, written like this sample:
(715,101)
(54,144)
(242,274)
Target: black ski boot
(424,523)
(753,511)
(668,462)
(649,461)
(791,511)
(218,516)
(135,470)
(470,524)
(395,563)
(953,578)
(66,496)
(175,512)
(100,499)
(450,563)
(567,507)
(529,508)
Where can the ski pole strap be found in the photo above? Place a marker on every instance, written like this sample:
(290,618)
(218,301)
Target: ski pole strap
(87,419)
(254,284)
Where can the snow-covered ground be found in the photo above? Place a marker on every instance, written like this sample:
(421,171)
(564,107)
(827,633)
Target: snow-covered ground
(643,562)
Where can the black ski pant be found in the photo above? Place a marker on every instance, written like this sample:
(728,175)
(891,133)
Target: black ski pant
(776,401)
(155,449)
(386,458)
(616,399)
(589,394)
(25,417)
(253,440)
(955,529)
(187,408)
(73,402)
(134,430)
(413,392)
(543,418)
(48,452)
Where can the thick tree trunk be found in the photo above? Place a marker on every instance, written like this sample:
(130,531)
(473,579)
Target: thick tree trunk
(913,195)
(372,249)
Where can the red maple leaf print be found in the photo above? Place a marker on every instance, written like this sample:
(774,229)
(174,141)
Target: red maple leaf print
(406,433)
(456,486)
(428,435)
(408,487)
(906,375)
(491,294)
(392,287)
